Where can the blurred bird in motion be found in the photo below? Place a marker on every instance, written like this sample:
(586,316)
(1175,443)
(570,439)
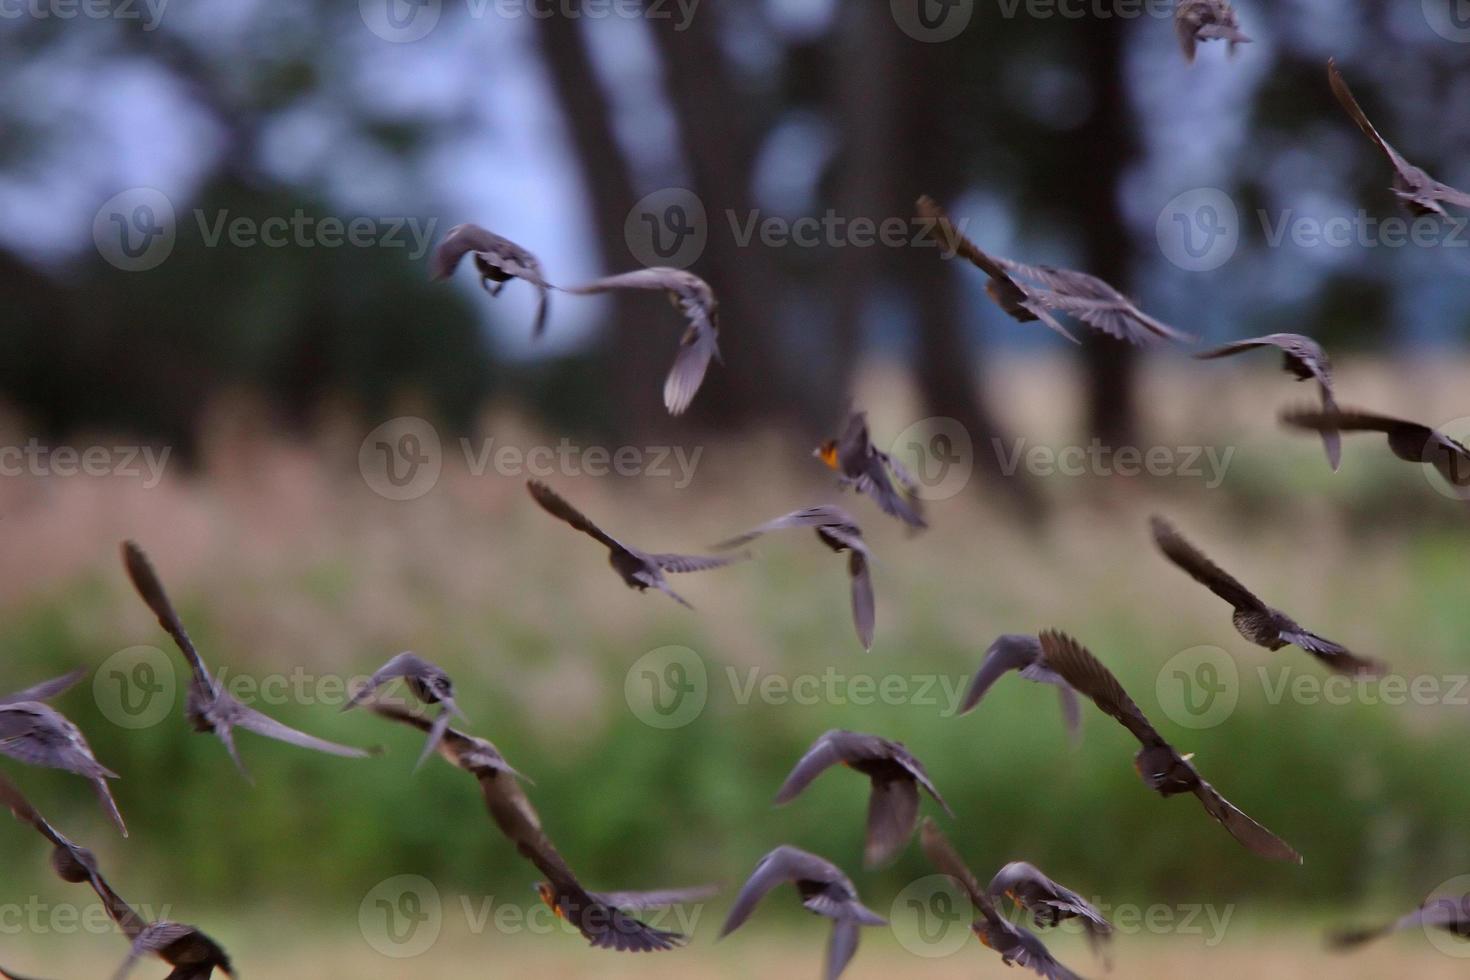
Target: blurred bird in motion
(1253,619)
(1207,20)
(1048,903)
(824,891)
(1420,193)
(428,682)
(1015,944)
(1303,357)
(208,706)
(866,468)
(692,297)
(1448,912)
(639,570)
(1022,654)
(893,807)
(497,260)
(1163,769)
(1409,441)
(39,735)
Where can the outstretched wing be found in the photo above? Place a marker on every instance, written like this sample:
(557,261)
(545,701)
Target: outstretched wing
(824,516)
(1355,111)
(405,664)
(946,860)
(1080,669)
(695,563)
(864,611)
(46,690)
(560,509)
(248,718)
(1243,828)
(146,581)
(1009,652)
(1201,569)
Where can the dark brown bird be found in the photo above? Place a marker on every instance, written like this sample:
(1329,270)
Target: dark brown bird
(1304,358)
(639,570)
(39,735)
(1033,289)
(1049,903)
(837,530)
(1163,769)
(1253,619)
(1022,654)
(192,954)
(208,706)
(428,682)
(1442,912)
(863,466)
(699,344)
(824,891)
(1015,944)
(497,260)
(893,807)
(1207,20)
(1420,193)
(1409,441)
(601,922)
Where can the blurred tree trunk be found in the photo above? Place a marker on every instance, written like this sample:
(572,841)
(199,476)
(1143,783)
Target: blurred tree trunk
(637,353)
(1105,149)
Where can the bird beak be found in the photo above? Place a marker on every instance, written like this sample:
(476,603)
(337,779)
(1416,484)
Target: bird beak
(1186,758)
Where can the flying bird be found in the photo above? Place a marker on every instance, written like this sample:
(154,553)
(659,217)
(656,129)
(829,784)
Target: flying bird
(1303,357)
(1409,441)
(1420,193)
(39,735)
(208,706)
(869,470)
(824,891)
(1452,914)
(428,682)
(600,921)
(1253,619)
(1022,654)
(1015,944)
(1049,903)
(497,260)
(699,344)
(639,570)
(893,807)
(1207,20)
(836,529)
(192,954)
(1162,768)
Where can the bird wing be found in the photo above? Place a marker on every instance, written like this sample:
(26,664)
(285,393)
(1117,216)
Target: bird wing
(1201,569)
(1084,672)
(146,581)
(950,238)
(946,860)
(251,720)
(698,347)
(779,866)
(827,751)
(1355,111)
(1334,655)
(893,809)
(661,898)
(1254,836)
(695,563)
(1009,652)
(864,614)
(825,516)
(405,664)
(560,509)
(46,690)
(459,242)
(842,946)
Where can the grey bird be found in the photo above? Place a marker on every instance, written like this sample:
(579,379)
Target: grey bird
(893,807)
(698,345)
(1419,193)
(192,954)
(208,706)
(824,891)
(497,260)
(869,470)
(1447,912)
(39,735)
(836,529)
(1303,357)
(1253,619)
(1016,945)
(1207,20)
(639,570)
(46,690)
(1021,653)
(597,916)
(1409,441)
(1159,764)
(1049,903)
(1035,288)
(428,682)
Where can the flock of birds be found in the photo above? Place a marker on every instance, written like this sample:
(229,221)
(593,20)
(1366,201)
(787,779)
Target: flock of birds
(35,733)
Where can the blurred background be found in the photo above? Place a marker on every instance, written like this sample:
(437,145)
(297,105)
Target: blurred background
(219,330)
